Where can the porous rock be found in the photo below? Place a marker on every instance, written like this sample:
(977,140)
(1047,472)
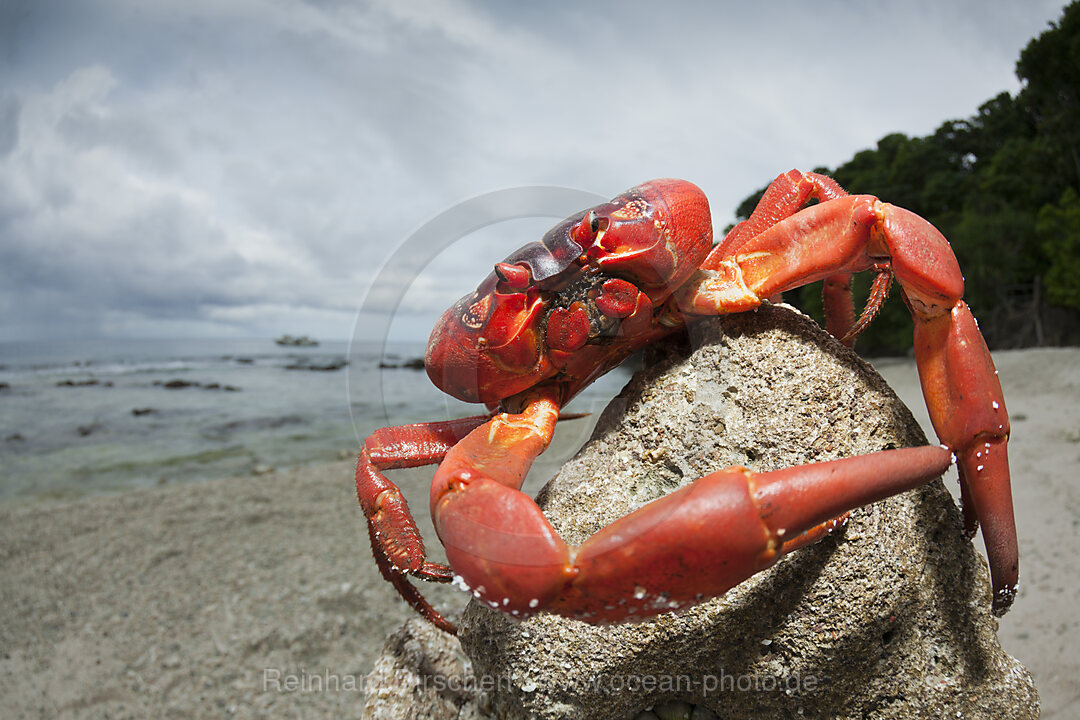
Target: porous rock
(422,674)
(887,618)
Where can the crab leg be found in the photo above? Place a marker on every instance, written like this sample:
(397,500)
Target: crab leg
(786,195)
(395,539)
(961,388)
(693,544)
(968,412)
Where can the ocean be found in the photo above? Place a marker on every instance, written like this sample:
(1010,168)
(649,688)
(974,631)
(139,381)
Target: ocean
(86,416)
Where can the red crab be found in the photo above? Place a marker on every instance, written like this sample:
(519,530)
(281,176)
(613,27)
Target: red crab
(559,313)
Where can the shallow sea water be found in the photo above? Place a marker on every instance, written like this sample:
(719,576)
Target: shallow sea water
(80,417)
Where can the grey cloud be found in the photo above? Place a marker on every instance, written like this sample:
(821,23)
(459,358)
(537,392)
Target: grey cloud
(9,124)
(231,162)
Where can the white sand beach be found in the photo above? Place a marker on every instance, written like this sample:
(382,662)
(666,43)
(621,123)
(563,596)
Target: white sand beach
(257,596)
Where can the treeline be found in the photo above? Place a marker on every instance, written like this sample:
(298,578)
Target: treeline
(1004,188)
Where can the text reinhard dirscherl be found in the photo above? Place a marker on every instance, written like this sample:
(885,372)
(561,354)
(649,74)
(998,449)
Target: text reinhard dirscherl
(303,680)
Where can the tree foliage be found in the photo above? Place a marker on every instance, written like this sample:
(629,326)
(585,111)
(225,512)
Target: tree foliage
(1058,229)
(1003,186)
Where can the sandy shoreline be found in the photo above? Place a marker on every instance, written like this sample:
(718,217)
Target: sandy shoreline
(180,601)
(212,600)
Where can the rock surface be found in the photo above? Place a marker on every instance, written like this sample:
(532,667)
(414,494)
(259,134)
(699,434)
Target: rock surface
(422,673)
(888,617)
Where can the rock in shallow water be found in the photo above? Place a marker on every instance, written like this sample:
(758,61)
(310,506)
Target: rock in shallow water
(886,618)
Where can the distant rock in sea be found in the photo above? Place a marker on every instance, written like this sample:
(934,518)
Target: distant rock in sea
(298,341)
(90,382)
(411,364)
(178,384)
(327,366)
(85,430)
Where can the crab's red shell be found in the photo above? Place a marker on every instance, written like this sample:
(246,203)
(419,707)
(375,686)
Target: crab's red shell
(506,337)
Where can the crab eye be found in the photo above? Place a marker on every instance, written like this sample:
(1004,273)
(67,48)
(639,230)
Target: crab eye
(590,228)
(515,278)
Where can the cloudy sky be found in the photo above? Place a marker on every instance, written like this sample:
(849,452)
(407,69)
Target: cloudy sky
(193,168)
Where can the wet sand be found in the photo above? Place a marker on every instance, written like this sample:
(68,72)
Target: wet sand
(257,596)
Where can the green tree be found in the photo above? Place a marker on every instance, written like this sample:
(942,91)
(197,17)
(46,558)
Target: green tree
(1050,69)
(1058,228)
(993,184)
